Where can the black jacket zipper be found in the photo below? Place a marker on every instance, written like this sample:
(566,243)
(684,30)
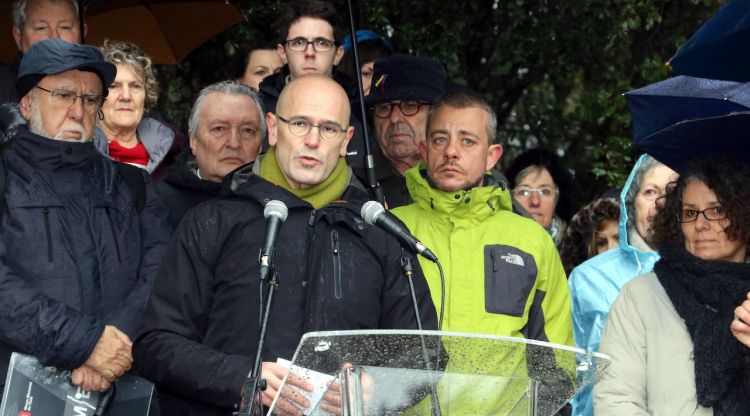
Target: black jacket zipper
(49,234)
(114,235)
(337,291)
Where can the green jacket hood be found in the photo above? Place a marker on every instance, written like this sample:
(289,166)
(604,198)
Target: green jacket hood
(477,203)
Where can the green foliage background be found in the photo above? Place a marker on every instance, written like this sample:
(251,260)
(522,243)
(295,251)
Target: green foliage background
(555,71)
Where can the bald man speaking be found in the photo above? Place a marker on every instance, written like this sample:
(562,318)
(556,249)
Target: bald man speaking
(335,271)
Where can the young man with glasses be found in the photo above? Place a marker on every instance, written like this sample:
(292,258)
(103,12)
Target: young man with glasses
(335,271)
(78,254)
(311,34)
(402,90)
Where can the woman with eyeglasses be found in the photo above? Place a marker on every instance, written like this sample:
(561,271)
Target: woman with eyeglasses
(545,189)
(672,351)
(123,133)
(595,283)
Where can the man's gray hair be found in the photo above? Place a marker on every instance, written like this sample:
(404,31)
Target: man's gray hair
(20,6)
(228,88)
(466,99)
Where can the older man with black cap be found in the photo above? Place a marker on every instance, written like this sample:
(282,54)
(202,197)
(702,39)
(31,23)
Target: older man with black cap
(402,90)
(81,237)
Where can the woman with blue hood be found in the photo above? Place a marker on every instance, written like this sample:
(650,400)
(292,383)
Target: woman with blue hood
(595,284)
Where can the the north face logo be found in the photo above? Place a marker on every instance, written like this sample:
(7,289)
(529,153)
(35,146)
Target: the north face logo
(513,259)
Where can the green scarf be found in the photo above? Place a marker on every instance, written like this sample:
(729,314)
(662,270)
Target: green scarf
(318,195)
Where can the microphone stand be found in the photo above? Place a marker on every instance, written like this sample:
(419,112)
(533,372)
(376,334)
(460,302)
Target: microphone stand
(409,273)
(255,384)
(375,188)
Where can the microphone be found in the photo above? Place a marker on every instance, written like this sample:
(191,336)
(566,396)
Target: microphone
(373,213)
(275,213)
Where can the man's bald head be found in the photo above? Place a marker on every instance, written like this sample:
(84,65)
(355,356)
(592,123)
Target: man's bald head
(310,110)
(316,84)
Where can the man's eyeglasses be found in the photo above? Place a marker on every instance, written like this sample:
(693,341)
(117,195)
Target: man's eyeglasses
(63,98)
(300,126)
(319,44)
(711,214)
(544,192)
(408,108)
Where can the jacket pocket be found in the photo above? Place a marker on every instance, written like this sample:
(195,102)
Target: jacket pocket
(509,277)
(337,290)
(35,238)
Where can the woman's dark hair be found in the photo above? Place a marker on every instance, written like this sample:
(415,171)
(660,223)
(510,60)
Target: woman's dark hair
(728,178)
(564,180)
(238,65)
(576,245)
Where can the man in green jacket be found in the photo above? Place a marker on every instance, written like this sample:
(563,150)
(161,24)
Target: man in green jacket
(503,275)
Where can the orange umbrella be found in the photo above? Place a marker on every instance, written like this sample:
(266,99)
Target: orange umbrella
(167,30)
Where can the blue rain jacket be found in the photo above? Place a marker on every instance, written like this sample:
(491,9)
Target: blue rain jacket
(595,284)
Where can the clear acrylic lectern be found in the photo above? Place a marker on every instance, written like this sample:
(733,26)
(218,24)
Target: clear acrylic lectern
(400,372)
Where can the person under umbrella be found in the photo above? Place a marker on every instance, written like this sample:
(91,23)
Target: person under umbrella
(123,133)
(595,283)
(667,331)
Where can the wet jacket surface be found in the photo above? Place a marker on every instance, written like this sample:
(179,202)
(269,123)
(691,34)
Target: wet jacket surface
(75,253)
(201,324)
(182,189)
(652,370)
(595,284)
(503,277)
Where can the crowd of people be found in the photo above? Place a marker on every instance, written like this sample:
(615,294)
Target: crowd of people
(128,246)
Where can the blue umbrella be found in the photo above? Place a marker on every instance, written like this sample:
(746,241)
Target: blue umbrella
(720,49)
(662,104)
(688,140)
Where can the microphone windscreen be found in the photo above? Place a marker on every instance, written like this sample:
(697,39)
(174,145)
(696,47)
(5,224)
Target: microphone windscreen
(276,209)
(371,210)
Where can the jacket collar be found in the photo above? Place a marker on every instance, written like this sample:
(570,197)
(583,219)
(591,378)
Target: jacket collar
(246,183)
(273,84)
(49,154)
(476,203)
(156,137)
(182,175)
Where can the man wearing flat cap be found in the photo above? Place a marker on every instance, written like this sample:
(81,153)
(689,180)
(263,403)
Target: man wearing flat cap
(402,90)
(81,237)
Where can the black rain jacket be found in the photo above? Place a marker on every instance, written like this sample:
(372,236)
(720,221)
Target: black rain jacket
(75,255)
(182,189)
(336,272)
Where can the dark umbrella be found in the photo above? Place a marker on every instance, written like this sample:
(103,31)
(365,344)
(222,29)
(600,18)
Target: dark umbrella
(720,49)
(675,146)
(167,30)
(662,104)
